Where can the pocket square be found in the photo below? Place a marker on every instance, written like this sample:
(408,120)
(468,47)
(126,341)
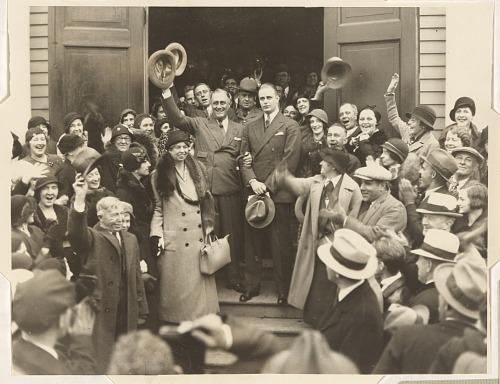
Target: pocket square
(237,138)
(279,134)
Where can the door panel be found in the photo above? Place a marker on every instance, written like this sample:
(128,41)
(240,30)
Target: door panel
(376,42)
(99,52)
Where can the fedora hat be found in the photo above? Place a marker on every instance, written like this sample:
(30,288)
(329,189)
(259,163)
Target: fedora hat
(349,254)
(463,102)
(425,114)
(470,151)
(439,245)
(248,84)
(373,172)
(86,160)
(463,285)
(161,68)
(442,162)
(259,211)
(339,159)
(180,55)
(320,114)
(439,204)
(398,147)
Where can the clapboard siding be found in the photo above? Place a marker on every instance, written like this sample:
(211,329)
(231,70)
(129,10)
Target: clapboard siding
(432,61)
(39,64)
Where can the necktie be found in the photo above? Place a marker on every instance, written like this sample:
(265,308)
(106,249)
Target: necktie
(267,121)
(221,126)
(327,192)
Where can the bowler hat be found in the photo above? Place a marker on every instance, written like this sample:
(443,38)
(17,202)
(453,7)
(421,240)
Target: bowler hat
(439,245)
(425,114)
(373,172)
(133,157)
(248,84)
(35,121)
(259,211)
(86,160)
(69,118)
(463,285)
(320,114)
(442,162)
(44,181)
(120,129)
(463,102)
(439,204)
(349,254)
(48,295)
(69,142)
(470,151)
(398,147)
(339,159)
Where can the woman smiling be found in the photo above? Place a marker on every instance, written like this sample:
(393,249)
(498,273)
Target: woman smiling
(36,144)
(369,141)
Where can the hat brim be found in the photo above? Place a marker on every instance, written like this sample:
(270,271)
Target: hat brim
(477,156)
(390,149)
(326,257)
(59,185)
(271,210)
(449,214)
(440,276)
(429,255)
(240,89)
(93,164)
(426,122)
(424,158)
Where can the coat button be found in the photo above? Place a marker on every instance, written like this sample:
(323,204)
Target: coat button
(199,225)
(198,211)
(183,213)
(184,229)
(201,240)
(187,244)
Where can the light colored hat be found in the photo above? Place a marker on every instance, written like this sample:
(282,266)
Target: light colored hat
(470,151)
(349,254)
(462,285)
(439,204)
(373,172)
(439,245)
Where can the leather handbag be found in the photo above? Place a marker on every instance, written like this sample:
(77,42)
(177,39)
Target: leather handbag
(215,254)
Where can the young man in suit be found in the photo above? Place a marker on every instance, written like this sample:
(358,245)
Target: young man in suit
(462,288)
(247,102)
(379,207)
(270,140)
(353,323)
(218,142)
(113,256)
(43,309)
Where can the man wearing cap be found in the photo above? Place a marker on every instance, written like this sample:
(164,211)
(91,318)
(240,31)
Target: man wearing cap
(352,324)
(379,207)
(120,141)
(417,132)
(463,114)
(42,309)
(113,256)
(218,141)
(439,246)
(270,140)
(462,289)
(434,174)
(469,161)
(310,289)
(247,102)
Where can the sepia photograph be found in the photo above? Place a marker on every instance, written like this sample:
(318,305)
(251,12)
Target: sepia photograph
(252,190)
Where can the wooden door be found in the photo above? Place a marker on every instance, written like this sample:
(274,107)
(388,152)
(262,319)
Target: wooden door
(96,52)
(376,42)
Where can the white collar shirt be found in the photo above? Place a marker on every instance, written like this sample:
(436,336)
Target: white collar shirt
(344,292)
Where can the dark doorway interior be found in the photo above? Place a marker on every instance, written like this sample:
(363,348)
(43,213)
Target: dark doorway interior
(220,39)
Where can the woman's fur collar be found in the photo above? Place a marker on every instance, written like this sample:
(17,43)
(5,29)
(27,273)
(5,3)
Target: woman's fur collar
(166,180)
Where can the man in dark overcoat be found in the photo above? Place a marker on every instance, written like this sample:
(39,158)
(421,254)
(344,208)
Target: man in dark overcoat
(113,256)
(270,140)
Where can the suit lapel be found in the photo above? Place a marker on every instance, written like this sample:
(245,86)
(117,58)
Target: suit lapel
(215,131)
(276,124)
(108,236)
(128,246)
(316,190)
(229,134)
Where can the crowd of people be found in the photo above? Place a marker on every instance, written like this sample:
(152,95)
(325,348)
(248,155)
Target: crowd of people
(377,231)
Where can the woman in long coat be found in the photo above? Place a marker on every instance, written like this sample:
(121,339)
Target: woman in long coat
(184,213)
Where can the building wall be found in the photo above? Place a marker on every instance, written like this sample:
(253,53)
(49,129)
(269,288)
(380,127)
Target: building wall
(432,61)
(39,64)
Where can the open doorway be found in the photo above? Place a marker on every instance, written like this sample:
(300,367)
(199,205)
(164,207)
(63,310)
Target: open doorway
(220,39)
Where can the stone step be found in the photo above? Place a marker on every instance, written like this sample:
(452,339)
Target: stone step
(261,306)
